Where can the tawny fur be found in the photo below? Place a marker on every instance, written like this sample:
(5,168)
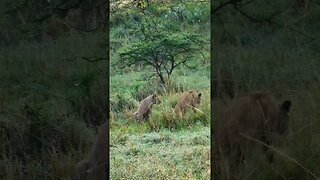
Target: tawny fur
(95,166)
(187,101)
(256,116)
(144,110)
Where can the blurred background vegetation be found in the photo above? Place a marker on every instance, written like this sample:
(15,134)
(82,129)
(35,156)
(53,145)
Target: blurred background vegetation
(53,92)
(273,46)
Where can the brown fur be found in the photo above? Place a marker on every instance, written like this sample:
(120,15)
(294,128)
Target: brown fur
(256,116)
(145,107)
(188,100)
(95,167)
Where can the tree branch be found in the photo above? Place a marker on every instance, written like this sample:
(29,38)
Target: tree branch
(16,8)
(254,19)
(94,59)
(182,62)
(59,7)
(215,10)
(86,30)
(270,21)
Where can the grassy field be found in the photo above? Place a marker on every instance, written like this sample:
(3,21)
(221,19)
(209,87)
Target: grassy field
(165,154)
(165,146)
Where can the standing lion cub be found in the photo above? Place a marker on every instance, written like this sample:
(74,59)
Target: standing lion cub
(145,107)
(190,99)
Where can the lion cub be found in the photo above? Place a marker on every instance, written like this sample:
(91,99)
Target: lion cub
(257,116)
(95,166)
(190,99)
(144,110)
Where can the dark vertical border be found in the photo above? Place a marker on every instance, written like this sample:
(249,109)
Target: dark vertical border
(211,90)
(108,86)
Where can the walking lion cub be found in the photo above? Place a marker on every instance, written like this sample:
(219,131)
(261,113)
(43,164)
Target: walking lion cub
(188,100)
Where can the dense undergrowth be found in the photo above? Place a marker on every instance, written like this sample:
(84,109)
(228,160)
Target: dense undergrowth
(51,103)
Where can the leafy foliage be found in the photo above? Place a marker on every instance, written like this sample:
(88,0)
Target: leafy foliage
(160,45)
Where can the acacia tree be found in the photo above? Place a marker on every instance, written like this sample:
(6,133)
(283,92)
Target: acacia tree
(162,46)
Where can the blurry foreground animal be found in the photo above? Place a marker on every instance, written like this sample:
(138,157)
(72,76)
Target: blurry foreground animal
(95,166)
(256,116)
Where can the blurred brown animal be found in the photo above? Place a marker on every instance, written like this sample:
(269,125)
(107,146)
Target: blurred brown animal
(190,99)
(144,110)
(95,166)
(256,116)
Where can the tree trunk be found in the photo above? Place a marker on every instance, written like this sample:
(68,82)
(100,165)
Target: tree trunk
(160,75)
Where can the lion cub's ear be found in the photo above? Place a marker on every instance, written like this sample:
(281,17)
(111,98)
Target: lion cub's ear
(199,94)
(286,105)
(154,95)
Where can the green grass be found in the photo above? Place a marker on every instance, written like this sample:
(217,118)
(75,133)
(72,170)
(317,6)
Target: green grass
(166,146)
(162,155)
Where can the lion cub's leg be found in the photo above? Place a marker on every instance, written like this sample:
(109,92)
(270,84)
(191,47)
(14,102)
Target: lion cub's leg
(81,169)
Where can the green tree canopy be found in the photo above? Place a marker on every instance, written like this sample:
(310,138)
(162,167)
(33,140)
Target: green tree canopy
(160,45)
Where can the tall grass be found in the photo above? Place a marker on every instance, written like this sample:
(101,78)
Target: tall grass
(51,102)
(165,146)
(285,63)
